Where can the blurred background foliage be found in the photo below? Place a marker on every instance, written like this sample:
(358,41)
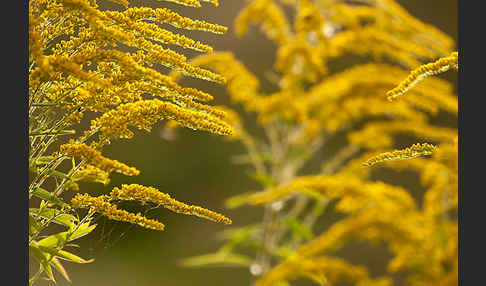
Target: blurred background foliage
(198,168)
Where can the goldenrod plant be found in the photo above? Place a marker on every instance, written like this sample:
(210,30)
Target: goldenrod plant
(102,65)
(315,103)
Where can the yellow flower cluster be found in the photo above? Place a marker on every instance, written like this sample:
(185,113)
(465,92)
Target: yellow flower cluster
(193,3)
(91,173)
(323,270)
(242,85)
(275,24)
(102,206)
(441,65)
(334,186)
(113,76)
(335,102)
(155,33)
(87,59)
(314,97)
(372,211)
(367,136)
(143,114)
(336,28)
(149,194)
(416,150)
(95,158)
(164,15)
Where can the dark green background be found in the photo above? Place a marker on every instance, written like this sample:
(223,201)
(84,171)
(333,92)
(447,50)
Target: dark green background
(196,168)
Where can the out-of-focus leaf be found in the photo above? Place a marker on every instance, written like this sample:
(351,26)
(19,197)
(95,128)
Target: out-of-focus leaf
(241,236)
(45,195)
(57,216)
(265,180)
(318,278)
(284,252)
(242,231)
(238,200)
(312,193)
(298,228)
(218,259)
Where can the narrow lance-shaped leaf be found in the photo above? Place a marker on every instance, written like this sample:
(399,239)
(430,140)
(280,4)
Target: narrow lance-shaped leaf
(45,195)
(57,216)
(63,237)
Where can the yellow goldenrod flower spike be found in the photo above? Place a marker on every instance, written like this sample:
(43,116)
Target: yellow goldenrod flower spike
(143,114)
(95,158)
(439,66)
(91,173)
(362,78)
(154,32)
(102,206)
(275,24)
(333,186)
(366,137)
(149,194)
(103,26)
(416,150)
(191,3)
(164,15)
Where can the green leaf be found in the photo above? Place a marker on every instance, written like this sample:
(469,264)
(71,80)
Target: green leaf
(58,174)
(218,259)
(317,277)
(57,216)
(240,233)
(265,180)
(53,132)
(64,255)
(285,252)
(45,195)
(238,200)
(42,257)
(298,228)
(313,194)
(71,257)
(44,160)
(238,236)
(34,225)
(48,270)
(63,237)
(82,230)
(55,262)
